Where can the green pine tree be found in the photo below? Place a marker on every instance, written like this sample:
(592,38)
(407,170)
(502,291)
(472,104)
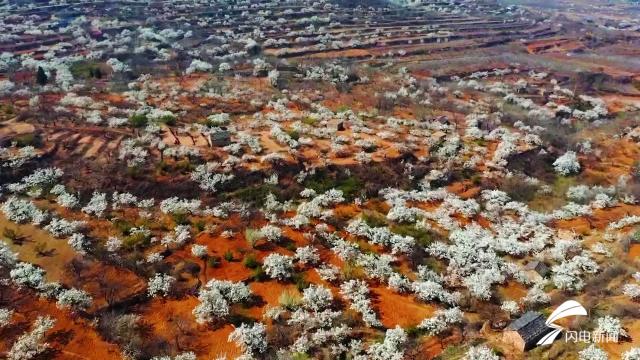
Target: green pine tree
(41,76)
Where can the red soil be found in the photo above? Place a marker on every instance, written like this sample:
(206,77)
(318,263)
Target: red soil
(173,321)
(396,309)
(70,338)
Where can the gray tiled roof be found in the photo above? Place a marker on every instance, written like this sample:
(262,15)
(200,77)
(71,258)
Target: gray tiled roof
(531,326)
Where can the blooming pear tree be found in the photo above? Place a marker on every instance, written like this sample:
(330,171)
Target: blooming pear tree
(279,267)
(567,164)
(357,292)
(251,338)
(74,299)
(30,344)
(160,285)
(215,298)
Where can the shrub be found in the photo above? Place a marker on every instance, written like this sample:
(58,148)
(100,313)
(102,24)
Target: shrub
(250,261)
(228,255)
(136,240)
(41,248)
(138,120)
(301,282)
(351,271)
(374,219)
(10,234)
(167,119)
(214,261)
(567,164)
(289,299)
(254,194)
(27,140)
(519,189)
(252,236)
(422,236)
(259,274)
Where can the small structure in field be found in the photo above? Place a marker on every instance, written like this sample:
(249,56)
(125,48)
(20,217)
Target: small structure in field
(220,138)
(525,332)
(536,270)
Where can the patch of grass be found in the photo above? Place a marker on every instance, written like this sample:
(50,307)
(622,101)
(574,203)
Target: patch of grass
(10,234)
(309,121)
(374,218)
(200,225)
(351,271)
(28,140)
(167,119)
(519,189)
(138,120)
(476,179)
(86,69)
(122,225)
(7,109)
(342,108)
(288,244)
(180,218)
(136,241)
(228,255)
(214,261)
(259,274)
(252,236)
(557,197)
(300,356)
(184,166)
(289,299)
(250,261)
(423,237)
(453,352)
(294,134)
(300,281)
(350,186)
(322,181)
(480,142)
(254,194)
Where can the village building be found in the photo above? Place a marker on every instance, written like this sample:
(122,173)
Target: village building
(525,332)
(536,270)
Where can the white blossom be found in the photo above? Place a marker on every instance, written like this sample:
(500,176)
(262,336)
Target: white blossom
(30,344)
(8,258)
(632,354)
(593,353)
(74,298)
(392,348)
(609,326)
(251,338)
(97,205)
(215,298)
(441,320)
(481,352)
(307,255)
(357,292)
(5,317)
(200,251)
(567,164)
(160,284)
(317,297)
(632,291)
(278,266)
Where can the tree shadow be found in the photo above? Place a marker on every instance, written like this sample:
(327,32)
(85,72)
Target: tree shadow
(62,337)
(47,253)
